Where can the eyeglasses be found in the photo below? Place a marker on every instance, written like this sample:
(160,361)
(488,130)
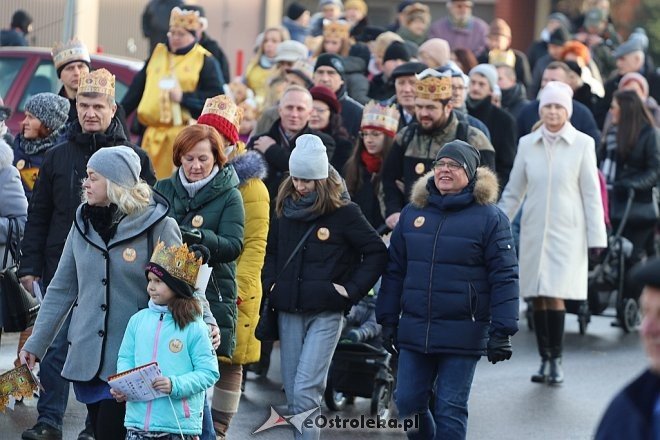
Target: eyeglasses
(373,134)
(451,166)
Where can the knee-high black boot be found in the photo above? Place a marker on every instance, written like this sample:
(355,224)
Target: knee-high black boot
(543,342)
(556,333)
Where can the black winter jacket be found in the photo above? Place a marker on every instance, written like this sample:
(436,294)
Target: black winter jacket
(277,156)
(56,195)
(342,248)
(503,131)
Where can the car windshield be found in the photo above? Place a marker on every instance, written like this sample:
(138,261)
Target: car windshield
(44,79)
(9,68)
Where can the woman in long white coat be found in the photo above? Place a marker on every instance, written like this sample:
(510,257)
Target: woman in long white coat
(555,173)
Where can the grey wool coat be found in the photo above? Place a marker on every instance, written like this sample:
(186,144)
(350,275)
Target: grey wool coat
(103,286)
(13,203)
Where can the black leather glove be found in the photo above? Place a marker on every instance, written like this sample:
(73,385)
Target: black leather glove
(390,342)
(201,251)
(193,236)
(499,348)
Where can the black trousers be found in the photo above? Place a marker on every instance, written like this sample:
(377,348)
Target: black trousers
(107,417)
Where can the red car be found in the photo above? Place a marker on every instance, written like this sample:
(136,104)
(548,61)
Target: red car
(26,71)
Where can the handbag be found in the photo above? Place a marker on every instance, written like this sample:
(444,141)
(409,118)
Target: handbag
(19,307)
(267,330)
(638,212)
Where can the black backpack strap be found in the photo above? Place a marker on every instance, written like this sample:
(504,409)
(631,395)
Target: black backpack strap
(462,131)
(298,246)
(411,129)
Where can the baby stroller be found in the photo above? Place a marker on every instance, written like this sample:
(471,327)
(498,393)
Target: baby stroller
(607,279)
(360,370)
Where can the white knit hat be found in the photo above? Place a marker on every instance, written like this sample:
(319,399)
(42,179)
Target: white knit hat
(557,92)
(309,159)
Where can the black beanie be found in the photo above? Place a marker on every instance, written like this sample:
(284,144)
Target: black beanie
(397,51)
(559,36)
(575,67)
(463,153)
(330,60)
(179,287)
(295,11)
(21,20)
(361,51)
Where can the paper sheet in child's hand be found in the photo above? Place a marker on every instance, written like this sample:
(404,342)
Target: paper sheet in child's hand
(136,384)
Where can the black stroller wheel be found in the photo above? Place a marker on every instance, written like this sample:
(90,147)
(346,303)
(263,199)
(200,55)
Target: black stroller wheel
(334,400)
(380,400)
(628,314)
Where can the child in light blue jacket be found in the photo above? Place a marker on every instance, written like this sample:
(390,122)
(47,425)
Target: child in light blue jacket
(172,333)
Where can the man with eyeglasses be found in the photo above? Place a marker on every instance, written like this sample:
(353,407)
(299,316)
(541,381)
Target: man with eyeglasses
(449,294)
(415,146)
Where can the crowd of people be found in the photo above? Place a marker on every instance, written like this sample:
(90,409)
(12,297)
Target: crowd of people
(433,137)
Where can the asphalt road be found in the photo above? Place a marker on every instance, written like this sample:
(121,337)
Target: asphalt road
(504,404)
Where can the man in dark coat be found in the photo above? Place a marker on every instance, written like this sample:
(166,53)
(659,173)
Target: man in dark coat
(51,213)
(329,72)
(276,144)
(449,294)
(416,145)
(381,87)
(633,413)
(581,119)
(21,25)
(501,125)
(555,49)
(404,78)
(211,45)
(630,57)
(514,95)
(156,20)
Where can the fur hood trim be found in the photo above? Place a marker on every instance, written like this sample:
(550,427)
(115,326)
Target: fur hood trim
(486,188)
(6,154)
(249,165)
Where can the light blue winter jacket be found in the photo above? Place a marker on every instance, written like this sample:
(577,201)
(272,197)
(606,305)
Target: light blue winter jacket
(185,356)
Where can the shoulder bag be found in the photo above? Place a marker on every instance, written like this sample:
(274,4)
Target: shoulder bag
(267,329)
(19,307)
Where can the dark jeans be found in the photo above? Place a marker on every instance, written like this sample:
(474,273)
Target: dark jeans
(107,417)
(452,375)
(52,402)
(208,431)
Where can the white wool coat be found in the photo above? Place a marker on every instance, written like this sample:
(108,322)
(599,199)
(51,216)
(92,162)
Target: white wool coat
(562,216)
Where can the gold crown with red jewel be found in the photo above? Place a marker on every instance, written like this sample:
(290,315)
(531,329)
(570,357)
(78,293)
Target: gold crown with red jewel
(433,86)
(336,29)
(224,106)
(187,19)
(98,81)
(73,50)
(178,261)
(380,117)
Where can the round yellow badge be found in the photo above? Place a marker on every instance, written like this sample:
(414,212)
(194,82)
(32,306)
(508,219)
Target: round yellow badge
(419,221)
(420,168)
(20,164)
(129,255)
(323,234)
(176,345)
(197,221)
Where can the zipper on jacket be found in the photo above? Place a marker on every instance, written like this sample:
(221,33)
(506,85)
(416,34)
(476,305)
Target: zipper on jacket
(428,321)
(472,309)
(154,353)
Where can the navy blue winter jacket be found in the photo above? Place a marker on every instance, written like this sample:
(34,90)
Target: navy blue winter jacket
(452,275)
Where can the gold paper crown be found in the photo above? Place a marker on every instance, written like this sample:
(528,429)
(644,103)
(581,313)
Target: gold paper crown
(189,20)
(433,88)
(224,106)
(178,261)
(336,29)
(381,117)
(98,81)
(64,53)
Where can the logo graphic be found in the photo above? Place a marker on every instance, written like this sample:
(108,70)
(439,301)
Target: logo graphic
(276,419)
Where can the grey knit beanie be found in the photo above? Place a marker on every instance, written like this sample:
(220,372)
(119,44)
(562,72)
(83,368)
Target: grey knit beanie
(120,165)
(51,109)
(488,71)
(309,159)
(463,153)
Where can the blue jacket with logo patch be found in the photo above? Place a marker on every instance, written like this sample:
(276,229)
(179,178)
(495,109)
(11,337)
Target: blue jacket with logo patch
(452,275)
(185,356)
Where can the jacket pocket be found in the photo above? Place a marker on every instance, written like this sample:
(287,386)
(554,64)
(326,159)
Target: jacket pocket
(186,408)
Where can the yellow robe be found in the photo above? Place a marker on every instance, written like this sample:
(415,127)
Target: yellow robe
(152,111)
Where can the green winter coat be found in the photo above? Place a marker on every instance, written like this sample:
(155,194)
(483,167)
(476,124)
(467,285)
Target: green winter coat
(220,205)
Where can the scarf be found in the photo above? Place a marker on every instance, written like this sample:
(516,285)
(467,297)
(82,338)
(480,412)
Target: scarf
(266,62)
(36,146)
(192,188)
(301,209)
(373,163)
(104,220)
(550,138)
(608,166)
(158,308)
